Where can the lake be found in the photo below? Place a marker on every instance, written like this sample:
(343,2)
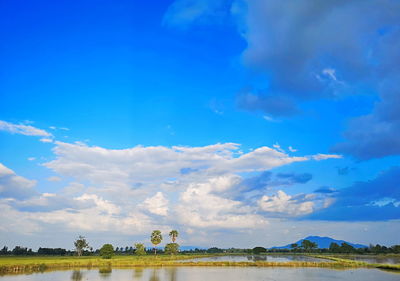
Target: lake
(270,258)
(210,274)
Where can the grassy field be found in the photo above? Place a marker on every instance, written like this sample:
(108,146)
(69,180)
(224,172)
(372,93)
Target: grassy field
(10,265)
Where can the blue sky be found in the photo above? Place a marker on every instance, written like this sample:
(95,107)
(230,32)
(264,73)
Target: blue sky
(261,121)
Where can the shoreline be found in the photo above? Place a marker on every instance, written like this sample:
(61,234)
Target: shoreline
(24,265)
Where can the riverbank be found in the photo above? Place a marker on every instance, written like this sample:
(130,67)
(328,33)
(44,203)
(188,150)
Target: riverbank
(10,265)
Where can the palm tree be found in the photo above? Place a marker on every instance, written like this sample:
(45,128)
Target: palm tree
(156,239)
(173,234)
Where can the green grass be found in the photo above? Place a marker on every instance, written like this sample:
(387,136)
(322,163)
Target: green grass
(10,265)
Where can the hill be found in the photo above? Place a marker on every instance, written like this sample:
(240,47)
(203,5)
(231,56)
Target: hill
(322,242)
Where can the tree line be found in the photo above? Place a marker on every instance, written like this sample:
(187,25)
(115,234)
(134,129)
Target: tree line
(107,250)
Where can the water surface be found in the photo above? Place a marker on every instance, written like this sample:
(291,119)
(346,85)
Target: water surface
(270,258)
(374,259)
(210,274)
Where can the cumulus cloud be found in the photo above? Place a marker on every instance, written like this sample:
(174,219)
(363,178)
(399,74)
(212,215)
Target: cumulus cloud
(201,183)
(22,129)
(253,187)
(14,186)
(129,189)
(137,164)
(48,202)
(157,204)
(200,207)
(284,204)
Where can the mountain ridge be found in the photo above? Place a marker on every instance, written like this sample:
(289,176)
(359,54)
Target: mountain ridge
(323,242)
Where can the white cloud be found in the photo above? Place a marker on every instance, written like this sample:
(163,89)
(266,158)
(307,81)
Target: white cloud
(46,140)
(31,158)
(157,204)
(285,204)
(269,118)
(22,129)
(59,128)
(14,186)
(93,214)
(330,72)
(101,204)
(137,164)
(73,188)
(320,156)
(200,207)
(191,184)
(129,189)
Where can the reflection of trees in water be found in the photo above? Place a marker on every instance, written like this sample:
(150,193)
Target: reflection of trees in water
(105,272)
(154,275)
(76,275)
(138,273)
(172,274)
(257,258)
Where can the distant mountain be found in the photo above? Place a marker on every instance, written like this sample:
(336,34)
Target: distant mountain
(188,248)
(322,242)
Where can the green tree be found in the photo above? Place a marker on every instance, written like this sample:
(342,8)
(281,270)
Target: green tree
(173,234)
(294,246)
(259,250)
(396,249)
(346,248)
(172,248)
(80,245)
(214,250)
(334,247)
(156,239)
(307,245)
(107,251)
(140,249)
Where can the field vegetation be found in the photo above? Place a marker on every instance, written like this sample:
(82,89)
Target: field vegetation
(22,260)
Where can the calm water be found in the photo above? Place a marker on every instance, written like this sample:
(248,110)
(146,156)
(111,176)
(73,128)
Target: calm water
(375,259)
(211,274)
(271,258)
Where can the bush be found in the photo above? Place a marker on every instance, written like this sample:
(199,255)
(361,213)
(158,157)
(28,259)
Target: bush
(172,248)
(107,251)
